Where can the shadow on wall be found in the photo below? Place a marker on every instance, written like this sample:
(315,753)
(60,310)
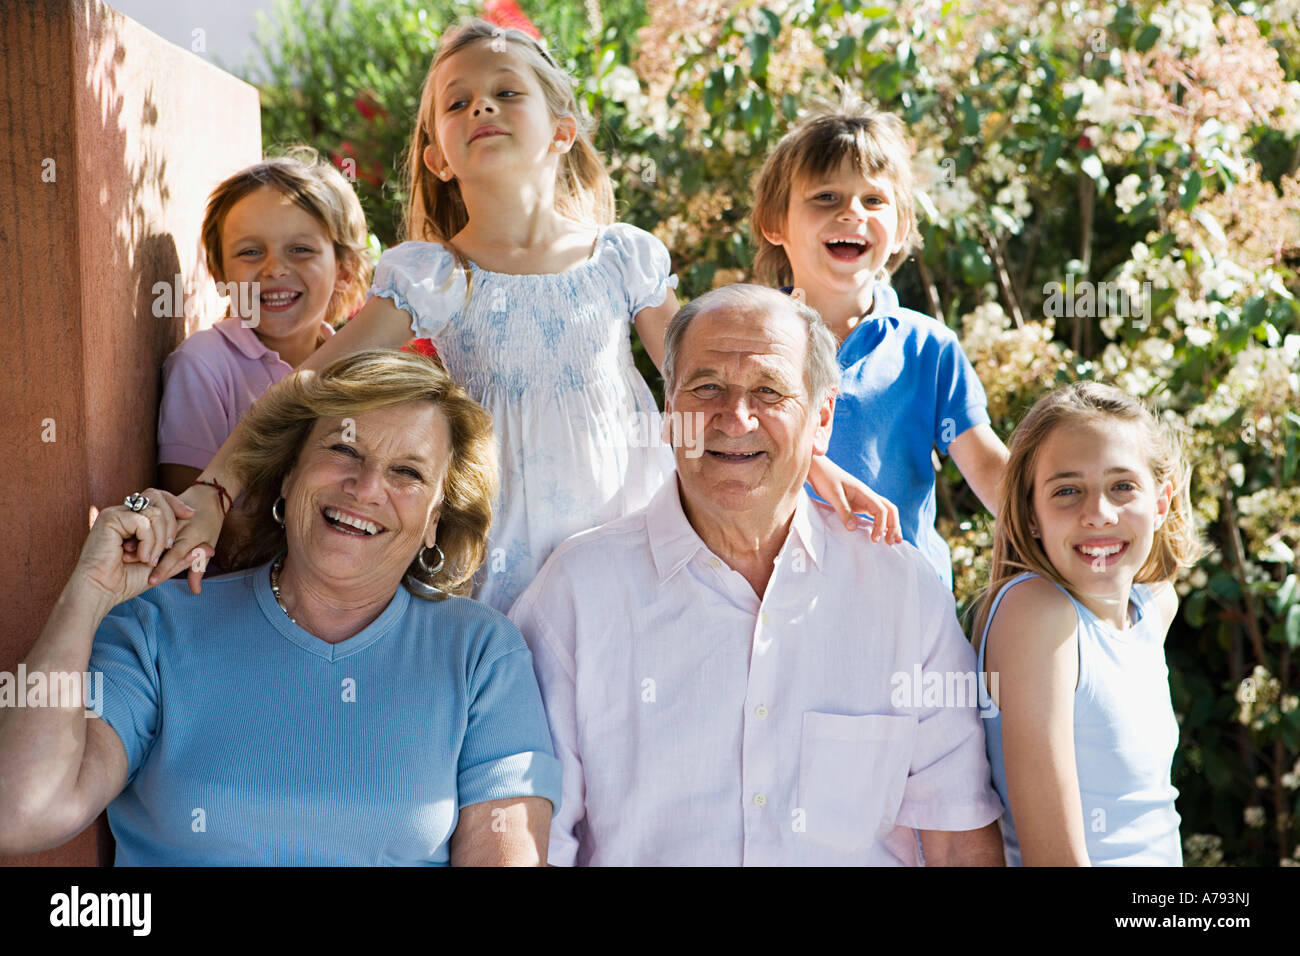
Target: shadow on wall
(120,137)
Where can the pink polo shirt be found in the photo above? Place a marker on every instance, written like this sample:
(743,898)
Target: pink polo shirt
(209,382)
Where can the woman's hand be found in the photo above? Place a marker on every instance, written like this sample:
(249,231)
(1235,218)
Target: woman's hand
(849,496)
(124,546)
(196,540)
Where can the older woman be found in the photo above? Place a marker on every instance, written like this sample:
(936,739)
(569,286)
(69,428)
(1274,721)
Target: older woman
(309,709)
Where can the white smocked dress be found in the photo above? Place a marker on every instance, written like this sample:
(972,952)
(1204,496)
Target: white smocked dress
(550,356)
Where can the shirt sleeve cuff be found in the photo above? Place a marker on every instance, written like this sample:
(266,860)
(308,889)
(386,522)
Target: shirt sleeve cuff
(970,416)
(937,816)
(532,773)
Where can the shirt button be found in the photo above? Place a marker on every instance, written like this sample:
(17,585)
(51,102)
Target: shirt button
(760,711)
(762,618)
(715,562)
(760,800)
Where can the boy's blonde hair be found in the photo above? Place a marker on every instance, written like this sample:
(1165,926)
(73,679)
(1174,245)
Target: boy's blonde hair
(1016,550)
(871,139)
(317,188)
(584,192)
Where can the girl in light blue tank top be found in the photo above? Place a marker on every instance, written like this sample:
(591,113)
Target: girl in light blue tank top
(1124,738)
(1094,504)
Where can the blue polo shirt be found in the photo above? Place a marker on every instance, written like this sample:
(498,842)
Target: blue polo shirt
(252,742)
(906,387)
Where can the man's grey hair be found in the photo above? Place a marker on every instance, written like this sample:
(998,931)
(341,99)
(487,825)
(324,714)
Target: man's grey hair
(821,363)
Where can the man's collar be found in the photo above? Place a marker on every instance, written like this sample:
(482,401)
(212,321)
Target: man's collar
(673,541)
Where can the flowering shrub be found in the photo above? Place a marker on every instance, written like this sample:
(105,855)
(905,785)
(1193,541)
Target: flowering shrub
(1145,153)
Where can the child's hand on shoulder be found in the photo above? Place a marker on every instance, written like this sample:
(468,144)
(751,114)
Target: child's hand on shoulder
(850,497)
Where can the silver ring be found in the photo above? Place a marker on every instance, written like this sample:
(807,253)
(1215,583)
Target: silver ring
(137,502)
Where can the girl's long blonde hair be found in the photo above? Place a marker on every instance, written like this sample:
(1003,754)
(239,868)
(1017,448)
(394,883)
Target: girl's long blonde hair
(436,211)
(1016,550)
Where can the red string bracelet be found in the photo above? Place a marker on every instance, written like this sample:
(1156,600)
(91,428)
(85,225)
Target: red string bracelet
(226,501)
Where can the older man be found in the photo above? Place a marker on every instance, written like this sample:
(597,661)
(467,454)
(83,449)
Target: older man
(731,676)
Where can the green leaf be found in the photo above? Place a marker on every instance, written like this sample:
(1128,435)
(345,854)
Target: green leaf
(1070,108)
(1051,153)
(1254,311)
(759,44)
(970,117)
(1189,189)
(1293,627)
(976,268)
(1147,38)
(1225,586)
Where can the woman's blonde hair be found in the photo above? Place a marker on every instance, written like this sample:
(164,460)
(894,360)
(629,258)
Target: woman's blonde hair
(276,427)
(584,192)
(1016,550)
(320,190)
(871,139)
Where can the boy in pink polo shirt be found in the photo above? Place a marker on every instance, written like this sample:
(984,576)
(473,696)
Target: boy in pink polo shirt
(288,237)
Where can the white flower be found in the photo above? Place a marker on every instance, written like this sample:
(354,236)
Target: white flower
(1127,193)
(1198,336)
(1237,472)
(1254,817)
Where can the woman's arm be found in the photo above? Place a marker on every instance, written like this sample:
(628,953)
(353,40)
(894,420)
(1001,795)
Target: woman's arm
(60,768)
(509,832)
(379,324)
(1033,665)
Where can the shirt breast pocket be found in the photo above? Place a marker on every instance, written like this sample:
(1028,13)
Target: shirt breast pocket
(852,773)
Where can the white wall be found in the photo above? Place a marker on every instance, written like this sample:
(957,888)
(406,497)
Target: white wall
(229,26)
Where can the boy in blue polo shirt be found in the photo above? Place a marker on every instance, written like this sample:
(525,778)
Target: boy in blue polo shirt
(834,216)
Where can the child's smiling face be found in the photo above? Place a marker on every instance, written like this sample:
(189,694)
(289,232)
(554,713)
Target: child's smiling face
(268,238)
(1097,505)
(840,230)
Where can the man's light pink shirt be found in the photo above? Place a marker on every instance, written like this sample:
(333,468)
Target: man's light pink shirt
(698,724)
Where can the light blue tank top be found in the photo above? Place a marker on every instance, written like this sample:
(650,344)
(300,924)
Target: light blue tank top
(1125,734)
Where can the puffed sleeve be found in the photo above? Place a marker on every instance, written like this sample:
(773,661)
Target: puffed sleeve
(643,265)
(126,654)
(422,279)
(193,419)
(507,750)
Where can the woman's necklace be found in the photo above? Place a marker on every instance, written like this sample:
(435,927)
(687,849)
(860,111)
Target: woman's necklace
(275,587)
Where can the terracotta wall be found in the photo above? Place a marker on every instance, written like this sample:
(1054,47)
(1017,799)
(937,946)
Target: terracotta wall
(115,137)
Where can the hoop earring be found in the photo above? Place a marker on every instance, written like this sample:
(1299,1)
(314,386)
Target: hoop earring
(424,566)
(277,511)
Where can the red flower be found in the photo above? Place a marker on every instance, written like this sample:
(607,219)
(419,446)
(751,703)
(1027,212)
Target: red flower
(367,107)
(1083,142)
(421,347)
(506,13)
